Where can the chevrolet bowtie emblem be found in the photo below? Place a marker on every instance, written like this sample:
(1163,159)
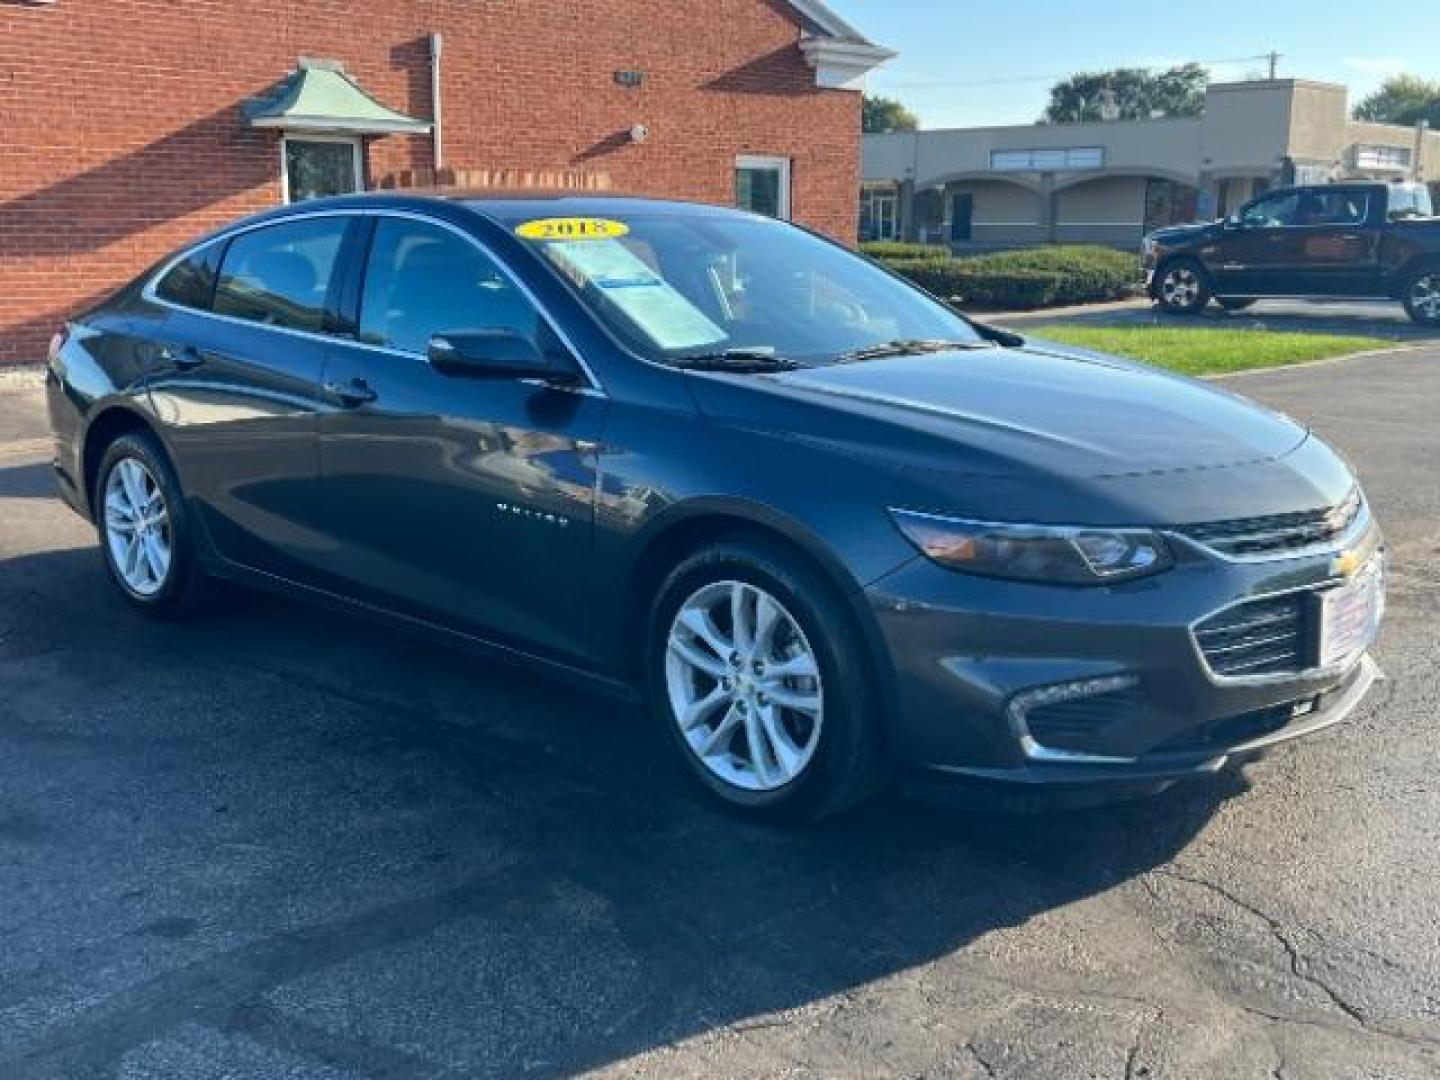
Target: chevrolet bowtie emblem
(1345,564)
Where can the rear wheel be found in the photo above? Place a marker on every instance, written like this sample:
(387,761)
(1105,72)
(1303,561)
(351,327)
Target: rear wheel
(757,674)
(1235,303)
(1182,288)
(1422,296)
(145,535)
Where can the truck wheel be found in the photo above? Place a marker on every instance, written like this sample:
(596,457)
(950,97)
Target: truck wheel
(1234,303)
(1422,296)
(1183,287)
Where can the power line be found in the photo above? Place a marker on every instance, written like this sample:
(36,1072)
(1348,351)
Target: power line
(1272,58)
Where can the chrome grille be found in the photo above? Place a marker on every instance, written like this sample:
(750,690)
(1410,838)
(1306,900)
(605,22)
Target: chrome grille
(1279,533)
(1262,637)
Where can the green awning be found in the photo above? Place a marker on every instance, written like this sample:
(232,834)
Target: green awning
(319,96)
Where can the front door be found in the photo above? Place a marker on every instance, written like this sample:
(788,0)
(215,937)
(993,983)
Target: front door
(1256,256)
(962,212)
(460,500)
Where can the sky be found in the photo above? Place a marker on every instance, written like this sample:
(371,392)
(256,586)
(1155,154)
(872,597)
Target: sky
(967,64)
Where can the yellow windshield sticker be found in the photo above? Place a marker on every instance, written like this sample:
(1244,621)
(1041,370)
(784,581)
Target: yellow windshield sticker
(572,228)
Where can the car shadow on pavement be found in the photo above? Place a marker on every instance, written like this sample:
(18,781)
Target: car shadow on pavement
(386,855)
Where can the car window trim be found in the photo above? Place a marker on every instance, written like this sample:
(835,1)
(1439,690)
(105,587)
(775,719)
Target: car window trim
(149,294)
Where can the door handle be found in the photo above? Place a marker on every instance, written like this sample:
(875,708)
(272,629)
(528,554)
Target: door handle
(351,394)
(184,358)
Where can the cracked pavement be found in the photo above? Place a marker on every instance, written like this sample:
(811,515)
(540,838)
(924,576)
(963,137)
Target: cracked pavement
(277,843)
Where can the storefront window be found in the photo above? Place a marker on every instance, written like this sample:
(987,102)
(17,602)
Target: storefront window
(315,168)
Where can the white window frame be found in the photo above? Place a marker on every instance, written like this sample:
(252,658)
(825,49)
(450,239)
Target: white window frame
(1373,156)
(889,197)
(780,164)
(357,149)
(1048,159)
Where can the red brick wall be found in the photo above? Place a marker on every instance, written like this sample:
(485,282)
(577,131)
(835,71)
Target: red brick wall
(121,137)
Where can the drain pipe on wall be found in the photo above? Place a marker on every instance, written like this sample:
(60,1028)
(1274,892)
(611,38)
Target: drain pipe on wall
(437,142)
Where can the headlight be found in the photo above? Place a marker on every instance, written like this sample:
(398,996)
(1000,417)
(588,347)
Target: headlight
(1065,555)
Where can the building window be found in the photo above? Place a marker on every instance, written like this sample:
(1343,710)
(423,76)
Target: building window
(1060,160)
(1382,157)
(762,184)
(319,165)
(879,214)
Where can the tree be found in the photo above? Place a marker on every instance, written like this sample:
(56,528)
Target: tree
(1402,99)
(882,114)
(1128,94)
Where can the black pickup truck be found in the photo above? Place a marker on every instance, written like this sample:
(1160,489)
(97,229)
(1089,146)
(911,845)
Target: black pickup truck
(1378,241)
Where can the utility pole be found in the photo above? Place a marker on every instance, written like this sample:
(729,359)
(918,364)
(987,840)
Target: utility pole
(1274,58)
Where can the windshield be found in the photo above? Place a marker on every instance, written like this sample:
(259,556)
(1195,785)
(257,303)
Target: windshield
(674,286)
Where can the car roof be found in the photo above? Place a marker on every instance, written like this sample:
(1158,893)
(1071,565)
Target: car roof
(508,207)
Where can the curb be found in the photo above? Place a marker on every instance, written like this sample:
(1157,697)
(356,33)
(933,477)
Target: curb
(1368,354)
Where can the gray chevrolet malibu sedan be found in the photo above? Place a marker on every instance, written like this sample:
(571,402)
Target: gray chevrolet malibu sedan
(832,532)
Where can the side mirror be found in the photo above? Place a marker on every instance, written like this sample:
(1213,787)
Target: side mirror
(495,354)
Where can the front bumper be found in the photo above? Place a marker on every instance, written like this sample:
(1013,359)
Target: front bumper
(964,650)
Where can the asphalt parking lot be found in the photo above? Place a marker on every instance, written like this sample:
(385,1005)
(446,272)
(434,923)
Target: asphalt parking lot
(273,843)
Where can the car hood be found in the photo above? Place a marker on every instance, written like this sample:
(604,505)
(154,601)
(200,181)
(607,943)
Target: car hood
(1184,234)
(1002,412)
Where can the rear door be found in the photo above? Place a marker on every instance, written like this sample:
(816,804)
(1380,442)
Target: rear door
(1335,243)
(238,389)
(461,500)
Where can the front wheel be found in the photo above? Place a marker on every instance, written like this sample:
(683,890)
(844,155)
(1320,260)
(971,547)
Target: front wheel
(1422,297)
(1183,288)
(757,673)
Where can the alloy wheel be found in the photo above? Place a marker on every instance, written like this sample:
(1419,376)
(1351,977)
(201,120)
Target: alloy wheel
(1425,297)
(744,686)
(137,527)
(1180,287)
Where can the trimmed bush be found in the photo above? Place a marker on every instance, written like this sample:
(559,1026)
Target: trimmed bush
(895,249)
(1033,278)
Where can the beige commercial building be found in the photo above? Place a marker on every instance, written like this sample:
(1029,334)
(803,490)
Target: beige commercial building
(1110,182)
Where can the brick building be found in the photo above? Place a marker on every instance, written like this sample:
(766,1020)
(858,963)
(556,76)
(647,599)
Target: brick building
(129,126)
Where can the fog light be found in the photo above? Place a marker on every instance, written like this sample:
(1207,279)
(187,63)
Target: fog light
(1025,702)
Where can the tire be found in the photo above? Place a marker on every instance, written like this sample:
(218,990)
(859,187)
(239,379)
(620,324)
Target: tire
(1182,287)
(135,468)
(1422,296)
(828,754)
(1235,303)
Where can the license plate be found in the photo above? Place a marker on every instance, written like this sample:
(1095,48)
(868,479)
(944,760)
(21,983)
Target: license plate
(1350,614)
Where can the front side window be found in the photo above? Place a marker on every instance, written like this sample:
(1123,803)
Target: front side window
(1273,212)
(672,285)
(279,275)
(423,280)
(191,281)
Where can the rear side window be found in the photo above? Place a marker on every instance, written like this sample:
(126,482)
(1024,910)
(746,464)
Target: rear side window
(423,279)
(191,282)
(280,275)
